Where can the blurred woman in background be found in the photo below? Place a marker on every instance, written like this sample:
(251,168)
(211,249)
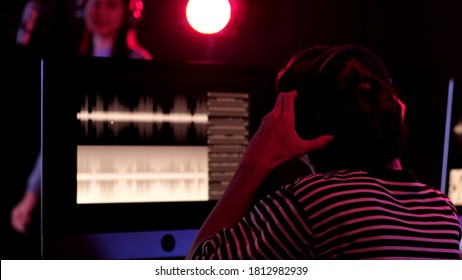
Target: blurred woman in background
(110,32)
(109,29)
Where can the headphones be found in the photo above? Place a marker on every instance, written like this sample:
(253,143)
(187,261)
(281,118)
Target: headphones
(305,73)
(329,55)
(135,8)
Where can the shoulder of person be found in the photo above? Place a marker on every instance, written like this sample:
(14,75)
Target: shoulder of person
(311,182)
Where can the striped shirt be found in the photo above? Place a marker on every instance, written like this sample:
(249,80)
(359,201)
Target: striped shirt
(381,214)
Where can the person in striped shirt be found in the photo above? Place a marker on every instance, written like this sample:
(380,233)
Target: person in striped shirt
(338,112)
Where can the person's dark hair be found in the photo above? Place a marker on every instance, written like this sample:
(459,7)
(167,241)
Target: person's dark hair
(345,91)
(121,48)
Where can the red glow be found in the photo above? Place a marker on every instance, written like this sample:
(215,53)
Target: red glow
(208,16)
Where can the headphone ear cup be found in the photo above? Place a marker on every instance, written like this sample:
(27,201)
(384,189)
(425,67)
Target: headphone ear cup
(308,122)
(313,98)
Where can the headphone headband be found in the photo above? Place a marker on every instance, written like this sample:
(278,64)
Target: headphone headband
(328,55)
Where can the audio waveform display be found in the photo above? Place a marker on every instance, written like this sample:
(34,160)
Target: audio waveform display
(169,172)
(147,117)
(110,174)
(455,186)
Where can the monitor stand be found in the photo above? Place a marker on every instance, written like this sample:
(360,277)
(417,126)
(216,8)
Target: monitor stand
(169,244)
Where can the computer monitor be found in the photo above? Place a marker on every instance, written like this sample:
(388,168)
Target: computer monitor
(136,153)
(451,179)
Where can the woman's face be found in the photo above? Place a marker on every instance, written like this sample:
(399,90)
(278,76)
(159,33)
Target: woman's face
(104,17)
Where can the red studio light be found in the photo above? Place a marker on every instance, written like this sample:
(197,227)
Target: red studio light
(208,16)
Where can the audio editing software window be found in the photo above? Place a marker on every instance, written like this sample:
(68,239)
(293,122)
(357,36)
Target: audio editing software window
(136,153)
(194,147)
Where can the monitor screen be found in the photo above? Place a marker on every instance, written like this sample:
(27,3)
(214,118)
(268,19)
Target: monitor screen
(183,146)
(451,183)
(141,149)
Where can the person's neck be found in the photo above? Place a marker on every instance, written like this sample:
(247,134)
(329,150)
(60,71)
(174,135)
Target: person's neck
(394,164)
(103,42)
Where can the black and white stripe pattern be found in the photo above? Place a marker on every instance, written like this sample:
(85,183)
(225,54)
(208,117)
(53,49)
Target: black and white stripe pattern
(344,215)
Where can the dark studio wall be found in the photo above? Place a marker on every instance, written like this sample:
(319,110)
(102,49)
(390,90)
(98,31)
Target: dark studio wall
(20,133)
(419,41)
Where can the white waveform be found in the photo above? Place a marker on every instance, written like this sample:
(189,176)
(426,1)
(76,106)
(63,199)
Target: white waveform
(142,117)
(145,117)
(455,186)
(121,174)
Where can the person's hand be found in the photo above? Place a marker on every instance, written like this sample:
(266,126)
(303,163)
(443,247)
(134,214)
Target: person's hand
(21,215)
(276,140)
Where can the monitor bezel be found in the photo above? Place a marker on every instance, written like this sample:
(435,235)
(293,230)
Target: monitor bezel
(61,215)
(454,97)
